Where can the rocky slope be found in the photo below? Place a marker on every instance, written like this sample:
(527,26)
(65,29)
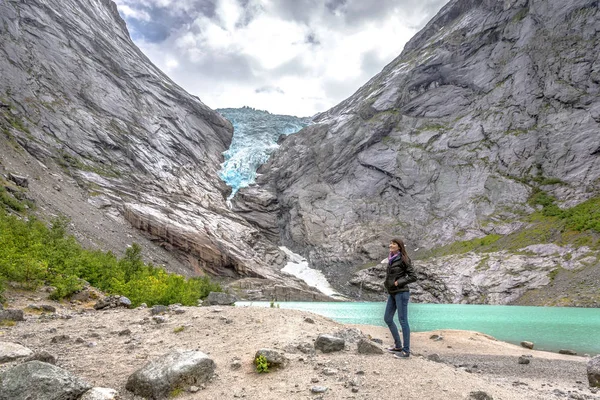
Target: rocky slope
(491,101)
(116,137)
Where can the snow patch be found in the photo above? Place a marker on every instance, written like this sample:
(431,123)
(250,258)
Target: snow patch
(298,267)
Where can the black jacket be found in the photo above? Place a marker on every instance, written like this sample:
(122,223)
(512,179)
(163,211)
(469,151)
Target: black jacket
(401,272)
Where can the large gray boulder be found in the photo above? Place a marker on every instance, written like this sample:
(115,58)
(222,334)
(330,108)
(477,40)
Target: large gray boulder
(175,370)
(329,343)
(13,351)
(11,315)
(593,371)
(219,299)
(274,358)
(35,380)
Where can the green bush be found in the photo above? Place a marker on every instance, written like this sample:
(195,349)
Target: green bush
(33,254)
(262,366)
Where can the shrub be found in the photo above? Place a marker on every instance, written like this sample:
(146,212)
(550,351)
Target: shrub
(262,366)
(32,254)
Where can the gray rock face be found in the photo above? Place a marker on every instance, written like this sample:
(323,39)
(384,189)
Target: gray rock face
(176,370)
(36,380)
(593,371)
(472,278)
(77,92)
(489,99)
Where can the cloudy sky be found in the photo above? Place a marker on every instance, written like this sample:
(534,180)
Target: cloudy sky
(295,57)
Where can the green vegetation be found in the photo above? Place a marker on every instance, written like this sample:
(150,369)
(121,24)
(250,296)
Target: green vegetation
(179,329)
(33,254)
(578,226)
(8,201)
(262,366)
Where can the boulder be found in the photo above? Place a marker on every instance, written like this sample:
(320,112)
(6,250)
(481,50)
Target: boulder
(219,299)
(99,393)
(36,380)
(329,343)
(112,302)
(172,371)
(527,345)
(274,358)
(19,180)
(350,335)
(42,356)
(568,352)
(593,371)
(13,351)
(11,315)
(369,347)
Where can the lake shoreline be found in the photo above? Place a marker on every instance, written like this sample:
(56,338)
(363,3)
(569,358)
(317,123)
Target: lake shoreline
(550,328)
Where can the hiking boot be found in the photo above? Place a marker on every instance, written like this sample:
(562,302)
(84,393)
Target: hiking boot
(394,349)
(402,354)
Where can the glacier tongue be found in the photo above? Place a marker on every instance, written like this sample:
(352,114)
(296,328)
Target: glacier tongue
(255,135)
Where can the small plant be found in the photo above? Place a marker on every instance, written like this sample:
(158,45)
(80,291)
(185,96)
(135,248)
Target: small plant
(272,304)
(7,323)
(262,365)
(179,329)
(175,392)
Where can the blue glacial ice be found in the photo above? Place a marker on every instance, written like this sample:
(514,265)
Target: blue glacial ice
(255,135)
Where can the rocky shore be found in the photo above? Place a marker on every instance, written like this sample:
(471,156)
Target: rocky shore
(316,357)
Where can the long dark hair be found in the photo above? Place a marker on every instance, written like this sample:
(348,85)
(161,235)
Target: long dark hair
(403,252)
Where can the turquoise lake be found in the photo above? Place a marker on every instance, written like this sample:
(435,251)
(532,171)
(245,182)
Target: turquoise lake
(549,328)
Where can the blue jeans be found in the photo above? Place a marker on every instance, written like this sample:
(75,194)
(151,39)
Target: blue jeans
(398,301)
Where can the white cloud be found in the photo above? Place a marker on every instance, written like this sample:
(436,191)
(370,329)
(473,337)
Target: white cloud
(314,56)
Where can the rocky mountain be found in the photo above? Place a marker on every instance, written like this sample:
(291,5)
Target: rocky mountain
(492,102)
(107,139)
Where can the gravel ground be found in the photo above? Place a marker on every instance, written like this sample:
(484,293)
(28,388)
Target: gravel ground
(96,351)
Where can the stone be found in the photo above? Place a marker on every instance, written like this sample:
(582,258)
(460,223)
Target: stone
(38,380)
(158,309)
(568,352)
(43,356)
(19,180)
(434,357)
(13,351)
(329,343)
(479,395)
(318,389)
(593,371)
(524,360)
(366,346)
(274,358)
(350,335)
(11,315)
(98,393)
(219,299)
(176,370)
(527,345)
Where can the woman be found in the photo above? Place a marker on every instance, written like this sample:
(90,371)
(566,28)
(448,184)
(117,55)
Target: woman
(398,275)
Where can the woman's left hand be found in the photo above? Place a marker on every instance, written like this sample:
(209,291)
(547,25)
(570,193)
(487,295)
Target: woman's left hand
(395,283)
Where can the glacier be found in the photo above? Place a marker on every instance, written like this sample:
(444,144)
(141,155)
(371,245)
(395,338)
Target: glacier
(255,135)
